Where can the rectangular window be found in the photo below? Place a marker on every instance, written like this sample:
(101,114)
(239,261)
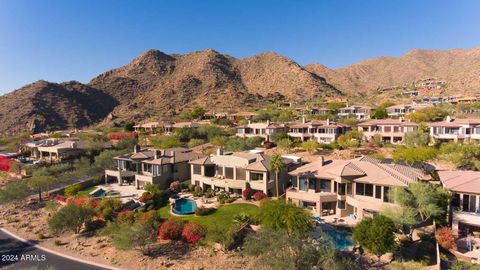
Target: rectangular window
(241,174)
(312,183)
(466,202)
(341,189)
(341,204)
(256,176)
(219,170)
(359,189)
(349,189)
(294,180)
(325,185)
(378,192)
(386,195)
(473,203)
(369,190)
(303,182)
(456,200)
(228,172)
(210,170)
(334,187)
(197,169)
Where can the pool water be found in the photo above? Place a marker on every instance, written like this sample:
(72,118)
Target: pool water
(337,239)
(99,193)
(184,206)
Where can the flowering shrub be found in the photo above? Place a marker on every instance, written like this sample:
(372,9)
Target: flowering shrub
(121,135)
(92,203)
(146,197)
(445,238)
(80,200)
(151,218)
(247,194)
(171,229)
(126,216)
(192,232)
(257,196)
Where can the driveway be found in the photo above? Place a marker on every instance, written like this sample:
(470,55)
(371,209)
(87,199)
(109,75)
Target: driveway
(15,254)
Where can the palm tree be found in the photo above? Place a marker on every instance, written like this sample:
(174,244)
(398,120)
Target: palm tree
(276,164)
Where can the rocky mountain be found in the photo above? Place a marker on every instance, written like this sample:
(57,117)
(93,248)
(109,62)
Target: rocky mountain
(459,67)
(44,105)
(156,85)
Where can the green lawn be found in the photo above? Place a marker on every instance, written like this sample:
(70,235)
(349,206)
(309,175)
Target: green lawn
(219,221)
(85,192)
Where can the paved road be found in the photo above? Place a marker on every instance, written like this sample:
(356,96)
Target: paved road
(15,254)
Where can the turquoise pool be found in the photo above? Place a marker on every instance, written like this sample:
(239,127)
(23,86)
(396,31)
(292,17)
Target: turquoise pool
(184,206)
(336,238)
(98,193)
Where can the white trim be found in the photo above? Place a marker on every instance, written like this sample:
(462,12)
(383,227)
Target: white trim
(57,253)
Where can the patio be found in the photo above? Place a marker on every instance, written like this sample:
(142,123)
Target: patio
(127,192)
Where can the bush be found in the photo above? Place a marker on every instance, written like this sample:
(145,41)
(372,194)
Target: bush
(171,229)
(243,218)
(195,142)
(445,238)
(209,193)
(377,235)
(280,215)
(257,196)
(247,194)
(223,197)
(192,233)
(57,242)
(191,187)
(176,186)
(310,146)
(93,225)
(72,190)
(203,211)
(71,217)
(198,192)
(40,236)
(126,216)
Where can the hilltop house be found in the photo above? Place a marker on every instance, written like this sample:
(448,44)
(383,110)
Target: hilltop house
(318,130)
(355,188)
(455,129)
(154,166)
(170,128)
(359,111)
(391,130)
(233,172)
(400,110)
(57,150)
(259,129)
(465,203)
(151,127)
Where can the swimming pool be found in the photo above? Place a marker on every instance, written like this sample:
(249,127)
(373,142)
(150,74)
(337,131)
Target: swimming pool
(100,192)
(184,206)
(338,239)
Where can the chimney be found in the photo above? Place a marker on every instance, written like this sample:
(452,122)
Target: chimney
(249,122)
(219,151)
(268,122)
(448,119)
(136,148)
(74,145)
(400,119)
(322,160)
(158,154)
(303,120)
(328,121)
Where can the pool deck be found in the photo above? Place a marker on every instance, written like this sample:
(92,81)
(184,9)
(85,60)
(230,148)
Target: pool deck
(127,192)
(334,220)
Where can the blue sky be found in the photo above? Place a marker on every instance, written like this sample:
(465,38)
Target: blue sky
(59,40)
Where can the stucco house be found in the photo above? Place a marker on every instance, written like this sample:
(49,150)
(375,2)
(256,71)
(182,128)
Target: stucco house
(321,131)
(390,130)
(233,172)
(349,188)
(153,166)
(465,203)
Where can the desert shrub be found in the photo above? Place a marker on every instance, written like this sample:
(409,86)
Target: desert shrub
(445,238)
(209,193)
(222,197)
(204,211)
(108,206)
(230,200)
(71,217)
(257,196)
(93,225)
(171,229)
(40,236)
(198,192)
(192,232)
(57,242)
(281,215)
(247,194)
(72,190)
(126,216)
(194,142)
(243,218)
(51,206)
(191,187)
